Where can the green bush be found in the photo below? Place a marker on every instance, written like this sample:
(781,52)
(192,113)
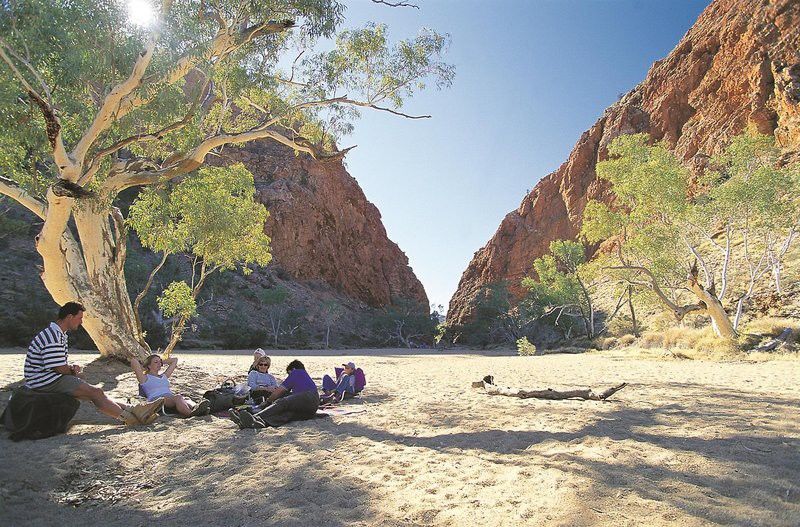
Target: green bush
(525,348)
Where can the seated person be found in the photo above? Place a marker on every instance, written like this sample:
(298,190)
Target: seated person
(294,399)
(260,381)
(344,384)
(47,370)
(258,354)
(154,386)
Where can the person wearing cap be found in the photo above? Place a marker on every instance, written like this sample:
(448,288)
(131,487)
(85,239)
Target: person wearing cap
(294,399)
(345,383)
(258,354)
(261,382)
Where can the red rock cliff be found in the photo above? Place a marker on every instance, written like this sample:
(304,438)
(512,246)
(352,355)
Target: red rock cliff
(739,65)
(323,228)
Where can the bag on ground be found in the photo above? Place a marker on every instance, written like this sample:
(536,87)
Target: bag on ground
(36,415)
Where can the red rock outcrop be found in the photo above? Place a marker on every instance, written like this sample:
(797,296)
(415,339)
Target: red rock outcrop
(739,65)
(323,228)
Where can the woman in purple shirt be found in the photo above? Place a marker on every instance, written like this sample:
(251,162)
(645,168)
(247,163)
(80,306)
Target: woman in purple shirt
(294,399)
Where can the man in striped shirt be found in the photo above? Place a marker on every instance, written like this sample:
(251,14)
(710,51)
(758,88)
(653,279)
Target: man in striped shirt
(47,370)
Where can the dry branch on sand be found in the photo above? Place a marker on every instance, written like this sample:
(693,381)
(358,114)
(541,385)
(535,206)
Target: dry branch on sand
(488,385)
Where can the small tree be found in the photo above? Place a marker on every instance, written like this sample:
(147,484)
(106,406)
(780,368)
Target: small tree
(564,284)
(275,302)
(211,215)
(331,312)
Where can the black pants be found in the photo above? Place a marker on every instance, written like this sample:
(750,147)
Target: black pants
(293,407)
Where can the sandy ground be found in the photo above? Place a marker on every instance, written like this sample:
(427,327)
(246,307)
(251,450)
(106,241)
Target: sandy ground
(687,443)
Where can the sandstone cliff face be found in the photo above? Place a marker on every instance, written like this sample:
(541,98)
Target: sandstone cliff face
(323,228)
(739,65)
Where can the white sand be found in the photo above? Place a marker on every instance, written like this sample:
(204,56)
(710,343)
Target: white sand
(687,443)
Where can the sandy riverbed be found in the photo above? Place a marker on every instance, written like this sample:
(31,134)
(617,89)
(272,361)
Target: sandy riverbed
(687,443)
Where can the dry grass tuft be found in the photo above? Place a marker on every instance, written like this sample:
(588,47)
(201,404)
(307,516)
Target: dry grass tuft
(626,340)
(606,343)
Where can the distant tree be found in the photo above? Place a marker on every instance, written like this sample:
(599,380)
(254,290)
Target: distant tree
(275,302)
(405,322)
(496,319)
(331,312)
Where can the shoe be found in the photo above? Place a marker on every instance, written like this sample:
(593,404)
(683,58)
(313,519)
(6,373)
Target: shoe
(145,410)
(202,408)
(150,420)
(248,420)
(233,415)
(129,419)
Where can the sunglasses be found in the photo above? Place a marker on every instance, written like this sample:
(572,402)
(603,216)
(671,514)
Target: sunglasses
(263,364)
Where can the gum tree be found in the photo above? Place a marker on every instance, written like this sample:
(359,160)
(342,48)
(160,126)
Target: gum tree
(210,215)
(698,244)
(92,104)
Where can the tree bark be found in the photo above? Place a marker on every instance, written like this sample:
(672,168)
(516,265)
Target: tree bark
(550,394)
(720,320)
(90,273)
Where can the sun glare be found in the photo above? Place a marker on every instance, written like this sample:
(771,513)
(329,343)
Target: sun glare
(141,13)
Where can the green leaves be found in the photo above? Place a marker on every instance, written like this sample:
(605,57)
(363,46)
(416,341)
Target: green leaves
(211,214)
(177,301)
(557,273)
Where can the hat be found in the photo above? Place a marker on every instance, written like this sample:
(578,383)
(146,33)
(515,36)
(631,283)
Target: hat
(351,365)
(261,352)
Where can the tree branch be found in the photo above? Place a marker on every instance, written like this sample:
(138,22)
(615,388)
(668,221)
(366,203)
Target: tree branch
(52,122)
(227,40)
(143,292)
(395,4)
(679,311)
(12,190)
(94,166)
(109,111)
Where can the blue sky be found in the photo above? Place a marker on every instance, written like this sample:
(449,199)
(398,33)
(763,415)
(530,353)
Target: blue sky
(531,76)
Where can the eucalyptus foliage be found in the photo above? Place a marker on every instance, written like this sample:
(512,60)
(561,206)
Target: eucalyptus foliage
(710,238)
(563,285)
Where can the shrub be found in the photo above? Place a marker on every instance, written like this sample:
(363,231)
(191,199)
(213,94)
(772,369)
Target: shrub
(626,340)
(652,339)
(606,343)
(525,348)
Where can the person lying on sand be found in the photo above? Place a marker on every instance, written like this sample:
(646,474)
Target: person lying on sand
(261,382)
(294,399)
(47,370)
(156,386)
(345,383)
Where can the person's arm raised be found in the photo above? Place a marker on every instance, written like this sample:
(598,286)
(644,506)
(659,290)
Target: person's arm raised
(172,363)
(141,376)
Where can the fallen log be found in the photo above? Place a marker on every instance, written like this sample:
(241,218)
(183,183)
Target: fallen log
(588,394)
(777,342)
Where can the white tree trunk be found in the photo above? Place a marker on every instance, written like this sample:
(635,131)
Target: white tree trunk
(90,273)
(720,320)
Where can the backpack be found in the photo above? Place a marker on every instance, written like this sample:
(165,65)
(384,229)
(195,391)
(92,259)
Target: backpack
(225,397)
(36,415)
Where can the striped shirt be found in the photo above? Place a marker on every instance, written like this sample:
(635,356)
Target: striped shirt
(48,350)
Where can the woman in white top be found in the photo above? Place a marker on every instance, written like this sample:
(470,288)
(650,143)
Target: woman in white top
(154,385)
(260,381)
